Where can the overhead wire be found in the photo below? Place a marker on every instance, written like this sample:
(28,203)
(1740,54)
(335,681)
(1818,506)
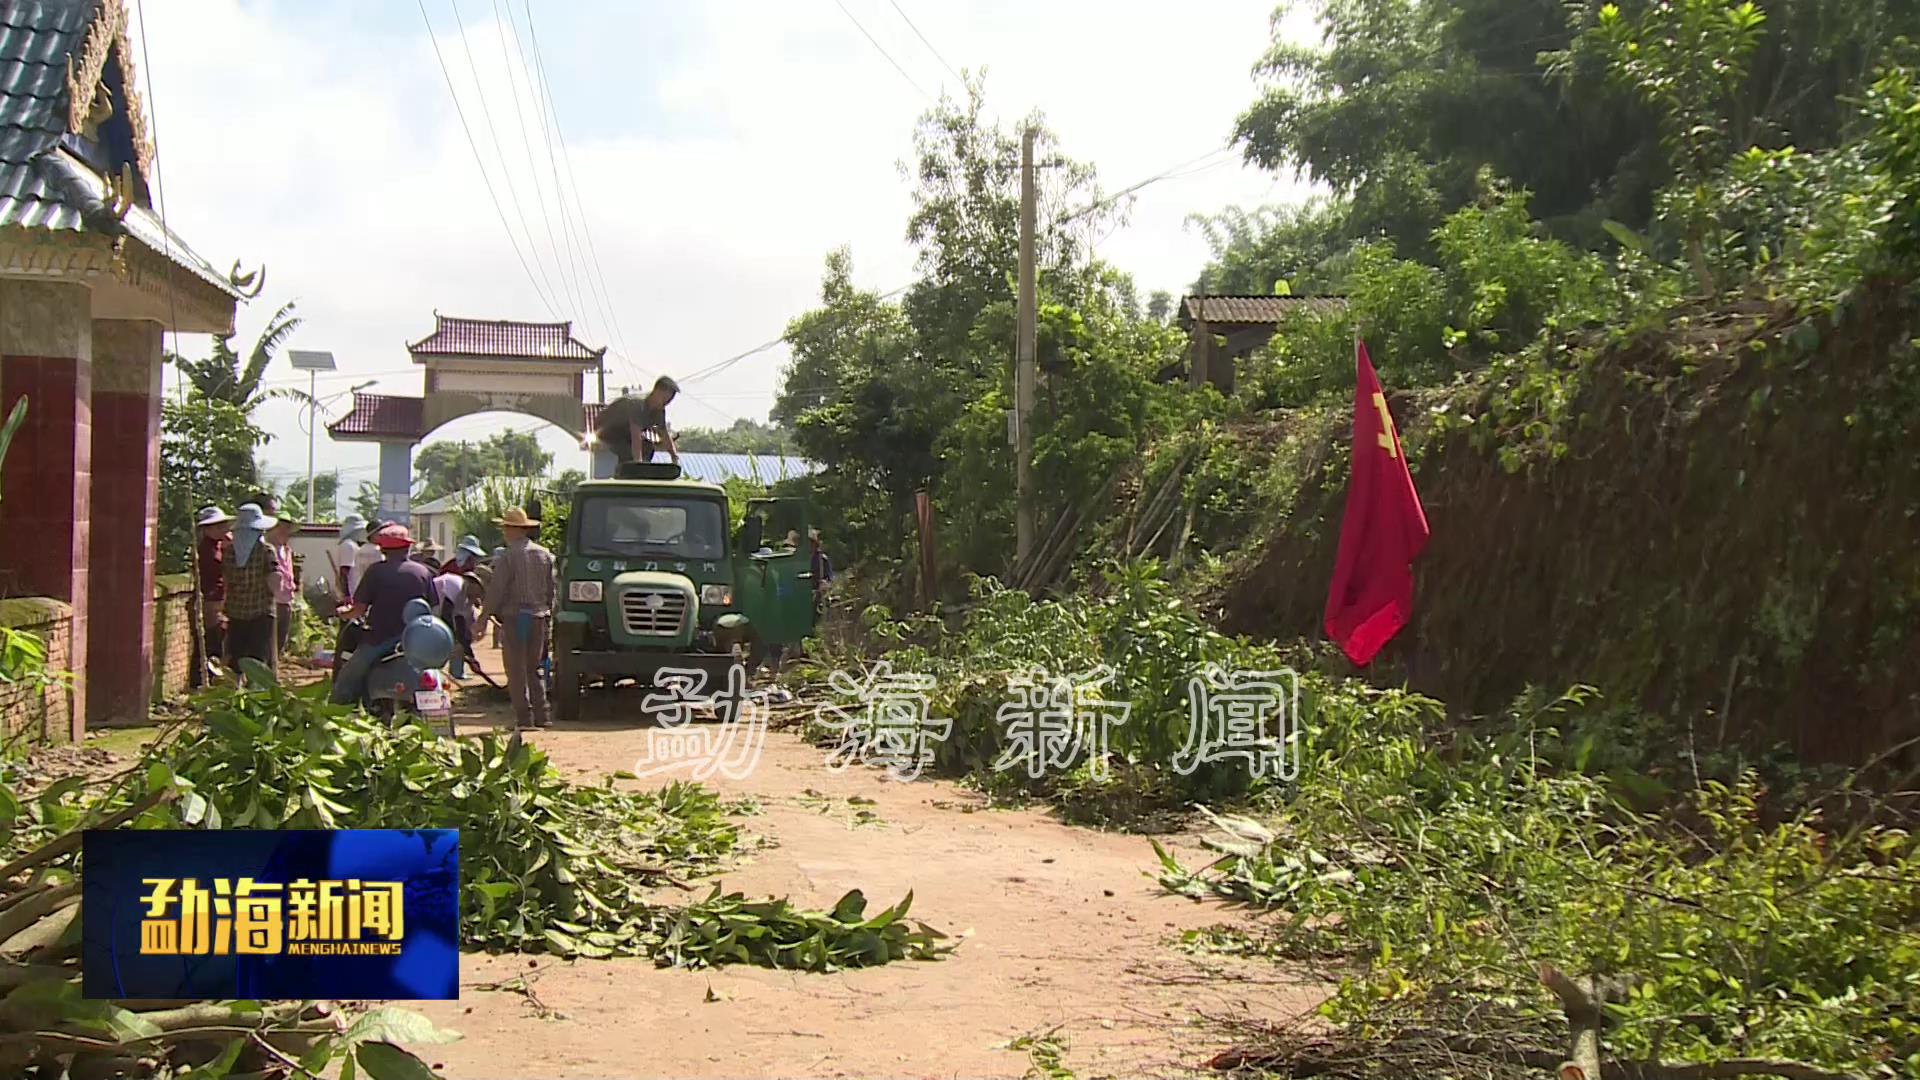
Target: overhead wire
(533,169)
(576,258)
(506,171)
(160,192)
(474,145)
(882,50)
(928,44)
(573,182)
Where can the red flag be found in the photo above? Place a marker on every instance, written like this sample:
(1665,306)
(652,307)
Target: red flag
(1383,531)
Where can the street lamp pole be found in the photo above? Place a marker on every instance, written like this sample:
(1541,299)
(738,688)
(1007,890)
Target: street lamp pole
(313,407)
(313,363)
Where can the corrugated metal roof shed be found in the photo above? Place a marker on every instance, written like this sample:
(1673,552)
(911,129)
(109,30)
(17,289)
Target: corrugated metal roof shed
(1255,309)
(503,338)
(765,468)
(447,504)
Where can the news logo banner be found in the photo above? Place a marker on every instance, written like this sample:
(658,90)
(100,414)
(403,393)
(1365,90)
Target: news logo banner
(366,913)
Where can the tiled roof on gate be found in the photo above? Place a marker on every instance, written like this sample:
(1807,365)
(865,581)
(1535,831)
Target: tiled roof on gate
(1255,309)
(50,179)
(503,338)
(378,416)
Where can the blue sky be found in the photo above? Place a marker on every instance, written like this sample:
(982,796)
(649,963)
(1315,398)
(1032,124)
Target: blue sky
(720,150)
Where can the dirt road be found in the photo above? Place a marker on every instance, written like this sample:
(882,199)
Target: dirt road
(1064,932)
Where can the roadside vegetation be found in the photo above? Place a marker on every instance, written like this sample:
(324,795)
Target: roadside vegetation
(1566,234)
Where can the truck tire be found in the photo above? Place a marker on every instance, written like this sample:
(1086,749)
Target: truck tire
(566,690)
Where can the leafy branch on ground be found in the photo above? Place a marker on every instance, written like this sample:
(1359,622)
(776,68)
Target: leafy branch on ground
(547,865)
(1433,871)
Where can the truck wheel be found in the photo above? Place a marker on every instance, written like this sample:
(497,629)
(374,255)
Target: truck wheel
(566,690)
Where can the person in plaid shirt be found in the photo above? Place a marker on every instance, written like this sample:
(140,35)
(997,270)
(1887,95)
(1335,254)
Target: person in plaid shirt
(251,572)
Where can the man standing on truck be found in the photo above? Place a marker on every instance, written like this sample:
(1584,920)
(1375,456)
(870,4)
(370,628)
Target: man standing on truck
(520,598)
(636,430)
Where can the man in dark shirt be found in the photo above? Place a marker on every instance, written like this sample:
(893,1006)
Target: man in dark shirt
(381,599)
(634,429)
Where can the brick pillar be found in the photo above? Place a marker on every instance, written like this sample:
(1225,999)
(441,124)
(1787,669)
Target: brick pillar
(126,504)
(46,356)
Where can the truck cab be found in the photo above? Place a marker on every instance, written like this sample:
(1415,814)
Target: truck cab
(651,578)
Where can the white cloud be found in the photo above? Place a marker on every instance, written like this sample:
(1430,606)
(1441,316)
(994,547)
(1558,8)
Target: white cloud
(715,180)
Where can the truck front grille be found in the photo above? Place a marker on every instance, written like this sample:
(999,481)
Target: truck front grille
(653,612)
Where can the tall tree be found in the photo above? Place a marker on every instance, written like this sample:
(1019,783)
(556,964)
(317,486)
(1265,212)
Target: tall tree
(206,456)
(745,436)
(442,468)
(224,376)
(1404,102)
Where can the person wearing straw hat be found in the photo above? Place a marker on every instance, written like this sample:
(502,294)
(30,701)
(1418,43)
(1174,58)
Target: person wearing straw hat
(212,526)
(520,599)
(250,575)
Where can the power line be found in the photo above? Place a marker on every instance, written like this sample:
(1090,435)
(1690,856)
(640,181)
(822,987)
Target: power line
(576,260)
(473,145)
(533,169)
(166,234)
(924,41)
(573,181)
(882,49)
(1171,172)
(506,171)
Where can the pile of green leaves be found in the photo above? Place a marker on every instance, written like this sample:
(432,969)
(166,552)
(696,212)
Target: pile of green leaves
(48,1030)
(546,865)
(1436,869)
(1133,626)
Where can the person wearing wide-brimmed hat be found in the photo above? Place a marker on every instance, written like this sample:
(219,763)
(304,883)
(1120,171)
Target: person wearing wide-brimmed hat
(520,598)
(211,527)
(353,533)
(381,599)
(251,570)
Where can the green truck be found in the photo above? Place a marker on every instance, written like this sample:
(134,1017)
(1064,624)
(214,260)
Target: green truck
(652,576)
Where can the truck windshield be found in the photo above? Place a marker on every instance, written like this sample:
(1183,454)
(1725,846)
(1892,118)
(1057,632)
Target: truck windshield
(651,525)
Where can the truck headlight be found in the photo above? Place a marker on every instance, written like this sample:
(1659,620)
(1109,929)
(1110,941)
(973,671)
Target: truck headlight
(583,592)
(717,595)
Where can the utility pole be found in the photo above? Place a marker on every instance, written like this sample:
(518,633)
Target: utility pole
(1023,359)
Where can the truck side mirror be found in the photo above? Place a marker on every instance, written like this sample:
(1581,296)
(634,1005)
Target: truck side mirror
(750,535)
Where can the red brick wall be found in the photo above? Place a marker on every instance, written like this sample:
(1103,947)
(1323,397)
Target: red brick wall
(172,637)
(44,713)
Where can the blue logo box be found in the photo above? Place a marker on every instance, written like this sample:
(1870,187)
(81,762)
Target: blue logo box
(260,914)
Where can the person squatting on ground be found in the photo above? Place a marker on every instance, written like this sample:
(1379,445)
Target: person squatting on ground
(520,599)
(251,571)
(453,593)
(381,599)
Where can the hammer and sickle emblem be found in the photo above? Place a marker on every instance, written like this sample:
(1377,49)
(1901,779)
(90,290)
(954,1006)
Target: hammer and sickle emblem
(1386,436)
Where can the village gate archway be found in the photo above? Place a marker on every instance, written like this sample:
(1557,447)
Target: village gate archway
(474,366)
